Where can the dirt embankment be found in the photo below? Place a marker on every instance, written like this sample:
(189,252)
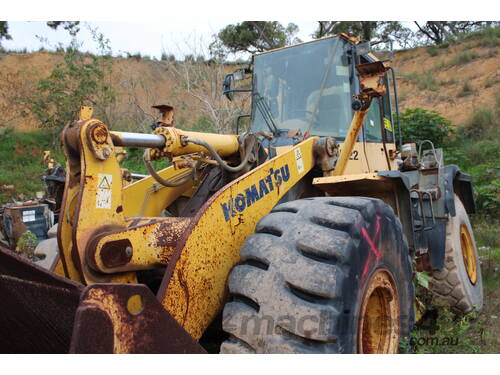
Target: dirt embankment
(453,80)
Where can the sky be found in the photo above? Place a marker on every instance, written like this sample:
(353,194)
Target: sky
(179,27)
(178,37)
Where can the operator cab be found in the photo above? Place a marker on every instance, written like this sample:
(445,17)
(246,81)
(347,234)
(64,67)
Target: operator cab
(309,88)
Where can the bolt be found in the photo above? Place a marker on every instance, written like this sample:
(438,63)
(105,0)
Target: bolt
(106,153)
(128,251)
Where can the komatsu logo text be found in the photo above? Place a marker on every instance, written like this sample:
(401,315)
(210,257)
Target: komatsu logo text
(255,192)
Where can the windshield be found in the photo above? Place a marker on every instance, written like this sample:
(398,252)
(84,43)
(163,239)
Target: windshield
(305,87)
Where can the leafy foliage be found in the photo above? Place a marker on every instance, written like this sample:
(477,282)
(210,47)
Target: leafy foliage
(26,244)
(367,30)
(419,124)
(21,161)
(70,26)
(79,80)
(437,32)
(256,36)
(4,30)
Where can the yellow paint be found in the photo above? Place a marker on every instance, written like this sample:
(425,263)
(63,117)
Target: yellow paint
(387,124)
(78,226)
(468,253)
(224,144)
(348,144)
(86,113)
(148,198)
(346,178)
(134,304)
(65,228)
(195,292)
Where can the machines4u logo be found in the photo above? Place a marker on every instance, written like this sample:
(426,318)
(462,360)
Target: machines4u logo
(255,192)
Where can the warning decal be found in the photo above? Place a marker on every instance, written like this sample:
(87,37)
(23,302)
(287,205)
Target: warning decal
(387,124)
(103,198)
(299,161)
(28,216)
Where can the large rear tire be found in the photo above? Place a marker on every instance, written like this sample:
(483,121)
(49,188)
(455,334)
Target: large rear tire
(459,284)
(322,275)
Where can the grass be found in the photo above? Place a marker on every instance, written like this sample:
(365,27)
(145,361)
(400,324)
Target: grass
(424,81)
(463,58)
(487,37)
(433,51)
(441,331)
(21,162)
(467,89)
(491,81)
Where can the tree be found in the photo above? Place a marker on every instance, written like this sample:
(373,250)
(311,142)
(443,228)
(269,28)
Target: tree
(362,29)
(367,30)
(437,32)
(70,26)
(82,79)
(4,30)
(419,124)
(257,36)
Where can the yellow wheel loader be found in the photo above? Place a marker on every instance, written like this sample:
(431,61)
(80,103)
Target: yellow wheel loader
(301,235)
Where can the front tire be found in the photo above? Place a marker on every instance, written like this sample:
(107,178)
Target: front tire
(459,284)
(322,275)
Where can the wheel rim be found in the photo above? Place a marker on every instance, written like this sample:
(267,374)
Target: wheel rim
(379,319)
(468,253)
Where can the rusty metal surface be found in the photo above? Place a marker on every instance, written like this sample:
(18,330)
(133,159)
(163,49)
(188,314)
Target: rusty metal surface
(371,78)
(124,318)
(37,307)
(194,285)
(146,243)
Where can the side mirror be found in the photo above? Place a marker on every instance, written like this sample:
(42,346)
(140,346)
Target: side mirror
(363,48)
(227,88)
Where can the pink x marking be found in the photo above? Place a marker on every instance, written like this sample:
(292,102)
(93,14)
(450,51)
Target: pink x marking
(371,243)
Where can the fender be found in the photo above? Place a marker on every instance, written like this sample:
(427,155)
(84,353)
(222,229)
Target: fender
(459,183)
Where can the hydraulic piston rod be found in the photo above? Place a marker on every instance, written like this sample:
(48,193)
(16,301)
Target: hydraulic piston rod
(125,139)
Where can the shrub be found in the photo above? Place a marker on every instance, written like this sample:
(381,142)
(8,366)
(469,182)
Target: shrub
(425,81)
(463,58)
(79,80)
(467,89)
(419,124)
(433,51)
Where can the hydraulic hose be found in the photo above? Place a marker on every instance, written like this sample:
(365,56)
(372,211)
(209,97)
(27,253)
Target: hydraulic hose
(219,160)
(158,178)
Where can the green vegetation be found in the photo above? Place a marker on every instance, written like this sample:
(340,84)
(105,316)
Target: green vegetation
(467,89)
(26,244)
(433,51)
(80,80)
(463,57)
(419,124)
(424,81)
(475,148)
(487,37)
(441,331)
(21,161)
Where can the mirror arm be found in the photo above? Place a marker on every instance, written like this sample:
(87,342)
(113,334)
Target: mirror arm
(238,122)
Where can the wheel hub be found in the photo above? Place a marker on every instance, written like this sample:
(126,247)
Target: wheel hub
(468,254)
(379,319)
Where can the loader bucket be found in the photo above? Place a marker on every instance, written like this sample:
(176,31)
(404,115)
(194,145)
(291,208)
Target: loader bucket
(41,312)
(37,307)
